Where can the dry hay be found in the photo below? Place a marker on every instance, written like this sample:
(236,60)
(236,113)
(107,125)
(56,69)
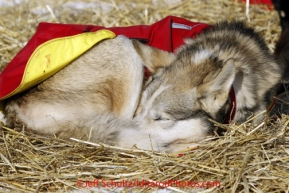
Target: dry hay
(246,159)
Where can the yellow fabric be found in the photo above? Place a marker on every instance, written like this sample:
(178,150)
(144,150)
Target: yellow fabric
(51,56)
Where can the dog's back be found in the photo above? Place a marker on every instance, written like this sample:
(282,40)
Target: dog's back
(86,85)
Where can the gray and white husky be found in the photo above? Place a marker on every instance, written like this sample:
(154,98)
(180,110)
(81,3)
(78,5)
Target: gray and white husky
(168,112)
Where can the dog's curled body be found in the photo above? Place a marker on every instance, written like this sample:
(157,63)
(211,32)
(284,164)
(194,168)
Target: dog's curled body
(101,97)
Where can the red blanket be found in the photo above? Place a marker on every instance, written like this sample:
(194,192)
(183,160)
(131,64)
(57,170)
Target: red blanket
(167,34)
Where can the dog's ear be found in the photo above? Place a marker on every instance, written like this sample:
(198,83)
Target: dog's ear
(153,58)
(215,91)
(224,80)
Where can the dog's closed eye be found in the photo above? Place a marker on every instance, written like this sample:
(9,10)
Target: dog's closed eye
(161,117)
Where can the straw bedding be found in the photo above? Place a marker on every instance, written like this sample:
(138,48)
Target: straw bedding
(246,159)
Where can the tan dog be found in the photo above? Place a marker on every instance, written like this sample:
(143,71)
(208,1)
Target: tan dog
(101,97)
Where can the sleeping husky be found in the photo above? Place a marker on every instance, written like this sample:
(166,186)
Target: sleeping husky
(105,99)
